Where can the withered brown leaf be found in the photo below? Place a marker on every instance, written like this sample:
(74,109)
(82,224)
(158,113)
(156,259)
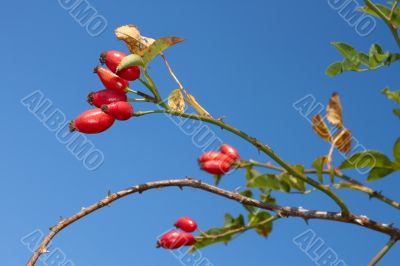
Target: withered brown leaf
(195,104)
(334,111)
(343,140)
(321,128)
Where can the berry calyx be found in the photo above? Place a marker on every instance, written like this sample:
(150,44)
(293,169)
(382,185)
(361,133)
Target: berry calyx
(110,80)
(112,60)
(105,97)
(230,151)
(175,239)
(215,167)
(91,122)
(186,224)
(118,110)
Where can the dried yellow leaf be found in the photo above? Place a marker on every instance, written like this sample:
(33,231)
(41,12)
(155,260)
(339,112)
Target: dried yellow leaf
(321,128)
(195,104)
(176,101)
(343,140)
(136,43)
(334,111)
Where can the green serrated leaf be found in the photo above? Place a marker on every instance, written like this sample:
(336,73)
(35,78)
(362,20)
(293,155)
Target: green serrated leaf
(377,173)
(396,150)
(346,50)
(318,164)
(158,46)
(366,159)
(334,69)
(130,60)
(248,193)
(264,229)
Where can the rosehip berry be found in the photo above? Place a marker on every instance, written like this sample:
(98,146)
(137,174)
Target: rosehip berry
(216,167)
(105,97)
(186,224)
(175,239)
(213,155)
(110,80)
(112,60)
(92,121)
(118,110)
(230,151)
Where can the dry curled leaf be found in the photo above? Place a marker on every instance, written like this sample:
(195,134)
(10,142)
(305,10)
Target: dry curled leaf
(343,140)
(136,43)
(321,128)
(195,104)
(176,101)
(334,111)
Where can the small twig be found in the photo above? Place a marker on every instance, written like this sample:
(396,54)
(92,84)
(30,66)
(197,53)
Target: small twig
(383,251)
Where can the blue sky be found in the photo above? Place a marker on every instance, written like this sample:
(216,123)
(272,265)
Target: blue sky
(249,62)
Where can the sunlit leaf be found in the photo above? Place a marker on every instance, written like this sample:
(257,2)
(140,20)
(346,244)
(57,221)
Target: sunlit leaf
(392,95)
(191,100)
(396,150)
(130,34)
(158,46)
(176,101)
(334,111)
(366,159)
(130,60)
(347,51)
(334,69)
(321,128)
(318,164)
(377,173)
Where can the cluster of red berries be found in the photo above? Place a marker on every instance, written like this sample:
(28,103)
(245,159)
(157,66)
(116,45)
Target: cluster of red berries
(175,239)
(219,163)
(111,103)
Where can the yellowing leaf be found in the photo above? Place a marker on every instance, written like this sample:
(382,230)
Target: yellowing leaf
(343,140)
(176,101)
(195,104)
(321,128)
(158,46)
(136,43)
(334,111)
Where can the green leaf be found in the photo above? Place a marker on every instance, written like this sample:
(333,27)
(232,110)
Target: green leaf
(130,60)
(318,164)
(392,58)
(377,173)
(263,229)
(396,150)
(158,46)
(334,69)
(376,55)
(392,95)
(248,193)
(347,51)
(217,179)
(290,182)
(385,10)
(365,159)
(396,112)
(267,198)
(264,181)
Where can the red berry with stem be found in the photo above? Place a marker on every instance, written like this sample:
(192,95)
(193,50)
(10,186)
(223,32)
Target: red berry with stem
(118,110)
(230,151)
(112,60)
(111,81)
(175,239)
(105,97)
(216,167)
(92,121)
(186,224)
(213,155)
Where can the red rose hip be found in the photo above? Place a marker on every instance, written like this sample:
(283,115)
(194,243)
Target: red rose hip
(186,224)
(92,121)
(110,80)
(112,60)
(214,155)
(105,97)
(118,110)
(230,151)
(216,167)
(175,239)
